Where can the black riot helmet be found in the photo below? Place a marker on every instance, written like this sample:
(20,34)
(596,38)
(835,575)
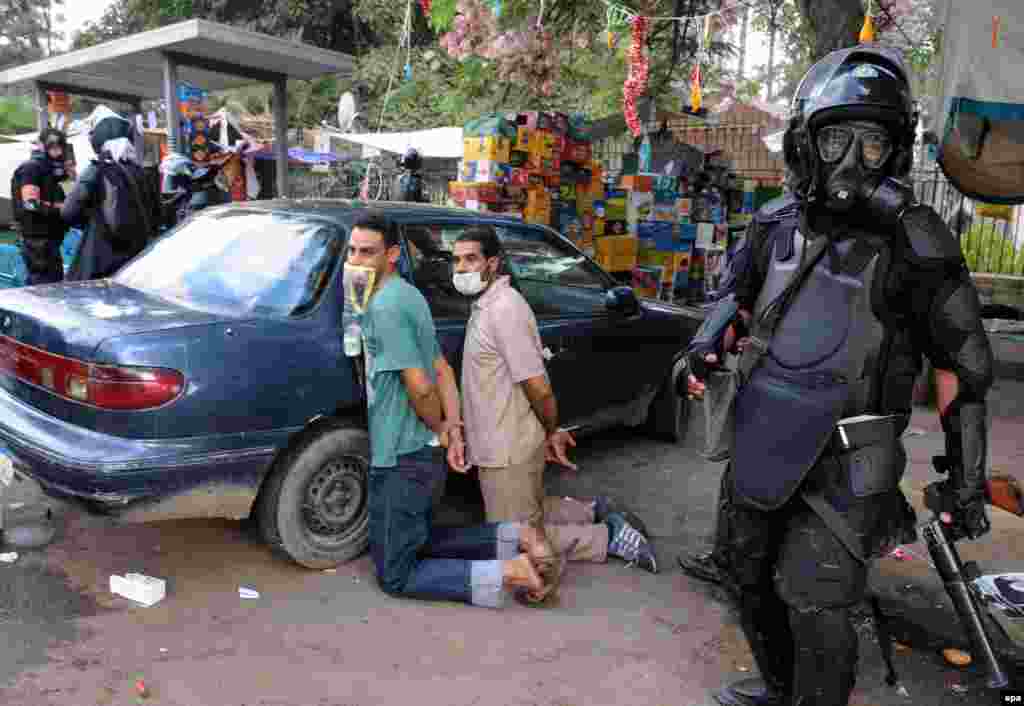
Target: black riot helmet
(50,137)
(866,83)
(411,160)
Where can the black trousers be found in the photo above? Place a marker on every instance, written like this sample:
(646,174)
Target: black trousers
(795,583)
(42,260)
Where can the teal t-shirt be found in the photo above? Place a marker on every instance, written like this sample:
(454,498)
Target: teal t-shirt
(398,333)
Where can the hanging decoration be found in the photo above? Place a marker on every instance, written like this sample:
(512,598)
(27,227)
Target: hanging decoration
(425,6)
(636,81)
(696,93)
(616,19)
(867,32)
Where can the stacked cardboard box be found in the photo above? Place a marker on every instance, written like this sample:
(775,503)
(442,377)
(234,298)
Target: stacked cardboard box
(617,253)
(535,165)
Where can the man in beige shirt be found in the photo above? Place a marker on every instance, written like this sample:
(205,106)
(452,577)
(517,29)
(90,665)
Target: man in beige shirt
(511,417)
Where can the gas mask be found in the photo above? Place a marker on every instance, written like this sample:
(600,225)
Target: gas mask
(57,167)
(854,156)
(359,283)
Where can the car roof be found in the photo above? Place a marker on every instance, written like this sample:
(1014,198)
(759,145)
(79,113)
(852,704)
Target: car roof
(345,210)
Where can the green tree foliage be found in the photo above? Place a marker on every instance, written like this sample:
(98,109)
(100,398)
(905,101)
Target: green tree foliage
(16,115)
(989,247)
(27,30)
(464,60)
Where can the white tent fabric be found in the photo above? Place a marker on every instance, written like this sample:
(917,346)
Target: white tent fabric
(438,143)
(978,116)
(221,119)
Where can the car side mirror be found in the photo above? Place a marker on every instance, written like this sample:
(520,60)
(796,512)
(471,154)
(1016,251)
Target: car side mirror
(622,300)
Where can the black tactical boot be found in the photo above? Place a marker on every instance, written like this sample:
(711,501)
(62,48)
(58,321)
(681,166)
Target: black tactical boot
(706,567)
(754,691)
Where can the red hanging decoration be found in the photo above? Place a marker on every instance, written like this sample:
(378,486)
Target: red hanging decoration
(636,81)
(425,5)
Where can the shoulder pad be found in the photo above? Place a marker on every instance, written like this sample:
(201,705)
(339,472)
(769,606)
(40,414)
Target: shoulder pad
(778,209)
(930,239)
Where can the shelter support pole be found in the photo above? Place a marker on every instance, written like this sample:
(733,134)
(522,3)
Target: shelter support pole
(140,137)
(42,107)
(281,135)
(171,97)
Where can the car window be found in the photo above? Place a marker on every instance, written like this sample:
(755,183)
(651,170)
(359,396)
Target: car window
(430,253)
(237,261)
(529,255)
(554,279)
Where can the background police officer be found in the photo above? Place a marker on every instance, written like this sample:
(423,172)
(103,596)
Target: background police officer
(37,196)
(812,490)
(409,184)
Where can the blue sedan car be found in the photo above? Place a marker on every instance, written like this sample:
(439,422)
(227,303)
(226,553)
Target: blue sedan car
(207,378)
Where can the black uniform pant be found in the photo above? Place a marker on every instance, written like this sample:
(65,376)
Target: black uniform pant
(796,583)
(42,260)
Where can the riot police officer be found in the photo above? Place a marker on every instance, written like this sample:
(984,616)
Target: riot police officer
(37,196)
(812,490)
(409,184)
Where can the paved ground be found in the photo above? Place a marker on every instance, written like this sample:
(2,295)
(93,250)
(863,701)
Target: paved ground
(619,636)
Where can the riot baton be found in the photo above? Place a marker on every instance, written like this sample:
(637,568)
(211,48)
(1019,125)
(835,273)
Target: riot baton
(1002,492)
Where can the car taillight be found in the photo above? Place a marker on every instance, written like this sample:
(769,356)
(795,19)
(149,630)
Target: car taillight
(104,386)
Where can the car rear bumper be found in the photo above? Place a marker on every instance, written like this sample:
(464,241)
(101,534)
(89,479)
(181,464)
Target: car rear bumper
(114,474)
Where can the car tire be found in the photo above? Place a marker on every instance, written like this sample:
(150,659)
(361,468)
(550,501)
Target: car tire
(314,506)
(668,415)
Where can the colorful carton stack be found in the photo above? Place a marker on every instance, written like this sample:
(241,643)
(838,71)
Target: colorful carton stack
(745,211)
(193,106)
(536,166)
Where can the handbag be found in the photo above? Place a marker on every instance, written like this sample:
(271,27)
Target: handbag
(723,385)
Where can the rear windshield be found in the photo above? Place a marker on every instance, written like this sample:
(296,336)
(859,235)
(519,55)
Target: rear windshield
(249,263)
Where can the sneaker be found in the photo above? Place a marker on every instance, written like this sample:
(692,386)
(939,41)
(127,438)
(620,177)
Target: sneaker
(605,506)
(627,543)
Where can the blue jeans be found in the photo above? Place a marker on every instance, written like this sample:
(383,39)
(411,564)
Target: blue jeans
(416,560)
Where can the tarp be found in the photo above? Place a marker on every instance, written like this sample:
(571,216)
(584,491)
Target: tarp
(978,116)
(297,155)
(437,143)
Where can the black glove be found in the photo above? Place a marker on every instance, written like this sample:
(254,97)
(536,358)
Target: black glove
(700,368)
(970,519)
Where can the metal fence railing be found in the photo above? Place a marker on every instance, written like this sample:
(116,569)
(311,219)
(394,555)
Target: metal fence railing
(991,237)
(345,181)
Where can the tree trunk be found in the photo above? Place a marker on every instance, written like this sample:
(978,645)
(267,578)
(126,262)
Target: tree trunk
(771,52)
(741,70)
(835,23)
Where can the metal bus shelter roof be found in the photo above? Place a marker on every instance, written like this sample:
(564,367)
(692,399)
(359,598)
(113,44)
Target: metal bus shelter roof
(149,66)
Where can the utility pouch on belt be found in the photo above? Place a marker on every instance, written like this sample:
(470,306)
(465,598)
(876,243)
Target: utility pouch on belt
(867,450)
(869,460)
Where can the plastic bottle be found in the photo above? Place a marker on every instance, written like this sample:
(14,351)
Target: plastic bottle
(353,337)
(645,155)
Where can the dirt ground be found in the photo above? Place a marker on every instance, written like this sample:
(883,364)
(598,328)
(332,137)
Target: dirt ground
(618,635)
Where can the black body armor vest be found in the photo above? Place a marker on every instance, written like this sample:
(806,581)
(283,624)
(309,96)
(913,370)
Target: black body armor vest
(823,363)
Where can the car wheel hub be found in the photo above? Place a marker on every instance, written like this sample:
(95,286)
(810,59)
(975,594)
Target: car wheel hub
(334,497)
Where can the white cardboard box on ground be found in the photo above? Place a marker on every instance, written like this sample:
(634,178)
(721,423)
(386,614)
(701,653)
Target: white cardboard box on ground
(140,588)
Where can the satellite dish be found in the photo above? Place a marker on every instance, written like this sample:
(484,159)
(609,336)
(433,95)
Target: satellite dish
(346,111)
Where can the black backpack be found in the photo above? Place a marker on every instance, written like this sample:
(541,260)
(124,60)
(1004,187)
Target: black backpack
(123,208)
